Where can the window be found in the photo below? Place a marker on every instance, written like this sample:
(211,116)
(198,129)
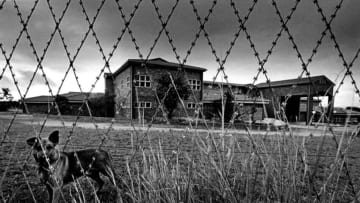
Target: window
(143,105)
(322,82)
(195,84)
(121,84)
(142,81)
(191,105)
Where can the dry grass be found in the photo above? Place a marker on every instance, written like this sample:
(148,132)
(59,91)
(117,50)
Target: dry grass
(196,167)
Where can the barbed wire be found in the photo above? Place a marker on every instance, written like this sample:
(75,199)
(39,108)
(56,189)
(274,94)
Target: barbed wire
(255,146)
(10,67)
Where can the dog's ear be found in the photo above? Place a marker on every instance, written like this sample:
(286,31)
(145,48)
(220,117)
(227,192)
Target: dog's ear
(32,141)
(54,137)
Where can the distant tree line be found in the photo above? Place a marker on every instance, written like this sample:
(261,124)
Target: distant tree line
(7,102)
(7,105)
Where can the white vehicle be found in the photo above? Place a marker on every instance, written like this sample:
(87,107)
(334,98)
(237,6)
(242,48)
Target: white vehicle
(278,124)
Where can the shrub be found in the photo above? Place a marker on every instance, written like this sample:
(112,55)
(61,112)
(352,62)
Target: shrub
(99,106)
(63,104)
(6,105)
(229,106)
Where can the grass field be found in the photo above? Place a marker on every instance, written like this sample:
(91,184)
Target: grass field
(194,166)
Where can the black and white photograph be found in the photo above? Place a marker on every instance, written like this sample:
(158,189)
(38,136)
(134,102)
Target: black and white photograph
(179,101)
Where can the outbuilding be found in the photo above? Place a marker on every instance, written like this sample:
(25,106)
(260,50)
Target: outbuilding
(289,95)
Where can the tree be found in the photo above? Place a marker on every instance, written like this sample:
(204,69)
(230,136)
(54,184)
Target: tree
(229,106)
(6,94)
(99,104)
(63,104)
(168,94)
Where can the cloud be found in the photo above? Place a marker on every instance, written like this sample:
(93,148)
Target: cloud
(5,81)
(38,78)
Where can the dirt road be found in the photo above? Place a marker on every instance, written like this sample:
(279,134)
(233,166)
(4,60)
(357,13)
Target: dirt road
(297,130)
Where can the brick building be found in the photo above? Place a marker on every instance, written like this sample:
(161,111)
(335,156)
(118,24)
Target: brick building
(133,85)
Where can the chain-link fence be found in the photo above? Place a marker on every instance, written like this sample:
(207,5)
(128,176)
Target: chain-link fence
(172,135)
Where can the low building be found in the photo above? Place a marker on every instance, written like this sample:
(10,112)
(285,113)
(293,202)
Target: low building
(350,115)
(44,104)
(288,94)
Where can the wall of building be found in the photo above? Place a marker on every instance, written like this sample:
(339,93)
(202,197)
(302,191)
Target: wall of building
(122,90)
(109,95)
(246,111)
(41,108)
(236,89)
(247,108)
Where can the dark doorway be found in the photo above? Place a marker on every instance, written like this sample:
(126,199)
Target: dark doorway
(292,108)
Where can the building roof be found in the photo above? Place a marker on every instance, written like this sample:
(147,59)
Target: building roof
(296,81)
(73,97)
(39,99)
(157,62)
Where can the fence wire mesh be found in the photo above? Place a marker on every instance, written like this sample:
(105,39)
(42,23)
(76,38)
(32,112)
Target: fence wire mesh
(51,47)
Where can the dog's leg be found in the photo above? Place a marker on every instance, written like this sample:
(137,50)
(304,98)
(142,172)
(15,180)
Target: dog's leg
(110,173)
(96,176)
(50,193)
(56,194)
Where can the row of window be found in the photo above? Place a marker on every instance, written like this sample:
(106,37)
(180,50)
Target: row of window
(143,105)
(192,105)
(146,105)
(195,84)
(144,81)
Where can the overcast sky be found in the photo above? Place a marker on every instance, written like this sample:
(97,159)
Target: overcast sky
(241,66)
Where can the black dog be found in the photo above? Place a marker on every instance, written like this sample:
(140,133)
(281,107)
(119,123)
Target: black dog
(56,168)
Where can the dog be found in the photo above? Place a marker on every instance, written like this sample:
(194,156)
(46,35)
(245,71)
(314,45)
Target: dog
(56,169)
